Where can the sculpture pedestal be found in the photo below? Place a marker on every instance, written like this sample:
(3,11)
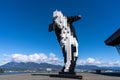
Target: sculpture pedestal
(67,75)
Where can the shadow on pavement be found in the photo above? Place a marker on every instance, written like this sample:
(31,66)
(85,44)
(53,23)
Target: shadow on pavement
(110,74)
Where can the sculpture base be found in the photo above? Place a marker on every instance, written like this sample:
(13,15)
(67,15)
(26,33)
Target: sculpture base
(72,73)
(67,75)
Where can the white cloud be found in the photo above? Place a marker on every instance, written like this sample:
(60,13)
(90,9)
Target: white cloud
(36,57)
(89,61)
(4,61)
(92,61)
(19,58)
(53,59)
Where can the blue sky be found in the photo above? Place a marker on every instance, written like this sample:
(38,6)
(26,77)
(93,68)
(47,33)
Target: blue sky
(24,27)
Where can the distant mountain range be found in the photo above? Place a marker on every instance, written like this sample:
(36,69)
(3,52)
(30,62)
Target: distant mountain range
(29,66)
(43,66)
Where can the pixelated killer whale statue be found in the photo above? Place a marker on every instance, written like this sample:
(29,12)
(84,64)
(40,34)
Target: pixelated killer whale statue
(66,37)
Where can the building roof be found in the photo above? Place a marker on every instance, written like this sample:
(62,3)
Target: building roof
(114,39)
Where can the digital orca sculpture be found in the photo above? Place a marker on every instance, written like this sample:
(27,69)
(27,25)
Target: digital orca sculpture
(67,39)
